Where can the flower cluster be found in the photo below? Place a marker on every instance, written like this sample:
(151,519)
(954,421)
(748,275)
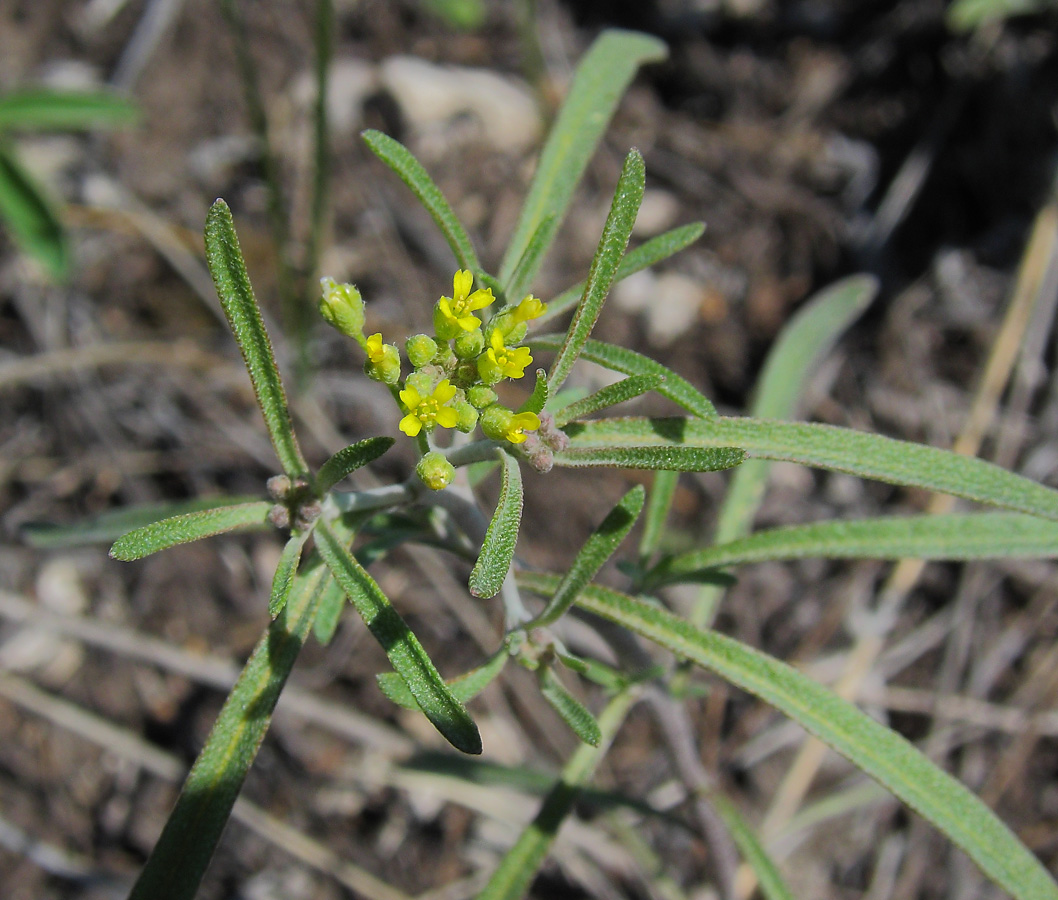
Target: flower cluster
(453,371)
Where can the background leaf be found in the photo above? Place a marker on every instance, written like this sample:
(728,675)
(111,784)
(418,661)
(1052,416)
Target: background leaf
(497,550)
(40,109)
(28,213)
(190,527)
(228,269)
(600,81)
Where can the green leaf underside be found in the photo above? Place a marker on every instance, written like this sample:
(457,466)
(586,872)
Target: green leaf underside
(179,859)
(405,653)
(601,79)
(642,257)
(581,722)
(955,537)
(190,527)
(612,244)
(497,550)
(529,264)
(599,547)
(411,172)
(829,447)
(42,109)
(464,688)
(659,502)
(611,395)
(332,602)
(881,753)
(538,398)
(520,864)
(107,527)
(349,459)
(286,569)
(771,881)
(228,269)
(673,458)
(628,362)
(796,354)
(26,210)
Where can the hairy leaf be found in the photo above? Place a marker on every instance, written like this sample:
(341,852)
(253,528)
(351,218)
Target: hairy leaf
(348,460)
(672,457)
(497,551)
(190,527)
(464,688)
(611,395)
(286,569)
(581,722)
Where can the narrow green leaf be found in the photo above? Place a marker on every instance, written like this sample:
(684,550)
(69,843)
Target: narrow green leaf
(190,527)
(612,244)
(956,537)
(966,15)
(601,673)
(228,269)
(803,343)
(520,864)
(828,447)
(628,362)
(529,264)
(772,885)
(395,155)
(348,460)
(581,722)
(881,753)
(598,85)
(497,551)
(332,602)
(28,213)
(464,688)
(39,109)
(597,549)
(611,395)
(286,569)
(405,652)
(109,526)
(659,502)
(179,859)
(672,457)
(642,257)
(538,399)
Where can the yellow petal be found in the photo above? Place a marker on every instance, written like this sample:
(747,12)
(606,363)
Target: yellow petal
(462,284)
(447,417)
(444,391)
(410,425)
(410,397)
(468,323)
(481,298)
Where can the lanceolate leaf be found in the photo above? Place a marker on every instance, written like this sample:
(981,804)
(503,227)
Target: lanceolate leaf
(41,109)
(538,398)
(190,527)
(659,501)
(619,359)
(529,264)
(828,447)
(772,885)
(26,210)
(581,722)
(179,859)
(599,547)
(286,569)
(968,536)
(878,751)
(612,244)
(611,395)
(405,652)
(600,81)
(349,459)
(642,257)
(332,602)
(395,155)
(464,688)
(673,457)
(520,864)
(497,551)
(228,269)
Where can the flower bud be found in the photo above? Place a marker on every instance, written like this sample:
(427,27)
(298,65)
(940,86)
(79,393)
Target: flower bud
(435,471)
(342,306)
(468,416)
(495,421)
(481,395)
(421,350)
(384,365)
(469,344)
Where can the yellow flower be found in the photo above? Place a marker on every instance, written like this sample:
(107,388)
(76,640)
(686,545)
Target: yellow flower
(521,423)
(428,412)
(529,308)
(500,361)
(374,348)
(453,314)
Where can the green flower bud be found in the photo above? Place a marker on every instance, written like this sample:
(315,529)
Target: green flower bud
(435,471)
(423,381)
(508,325)
(384,365)
(421,350)
(495,421)
(469,344)
(466,374)
(445,358)
(342,306)
(443,326)
(468,416)
(481,395)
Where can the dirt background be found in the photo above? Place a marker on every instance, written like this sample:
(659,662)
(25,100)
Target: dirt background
(815,139)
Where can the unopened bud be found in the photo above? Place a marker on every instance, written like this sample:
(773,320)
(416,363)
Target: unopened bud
(435,471)
(342,306)
(421,350)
